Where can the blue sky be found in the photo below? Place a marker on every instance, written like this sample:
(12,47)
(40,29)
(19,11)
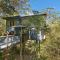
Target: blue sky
(43,4)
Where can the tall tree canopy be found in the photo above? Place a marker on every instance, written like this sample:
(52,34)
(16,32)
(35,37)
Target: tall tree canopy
(10,7)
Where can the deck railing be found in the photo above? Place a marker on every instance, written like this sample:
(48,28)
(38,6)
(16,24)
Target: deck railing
(8,40)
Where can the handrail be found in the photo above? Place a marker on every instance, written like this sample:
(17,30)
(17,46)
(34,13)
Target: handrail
(9,40)
(6,36)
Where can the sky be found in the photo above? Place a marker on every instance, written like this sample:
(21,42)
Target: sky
(43,4)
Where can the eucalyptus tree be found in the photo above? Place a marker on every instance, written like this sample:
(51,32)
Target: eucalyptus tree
(6,7)
(11,7)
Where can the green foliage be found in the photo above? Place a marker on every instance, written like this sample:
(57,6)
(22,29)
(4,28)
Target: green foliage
(2,26)
(35,21)
(12,7)
(7,7)
(1,55)
(30,46)
(50,49)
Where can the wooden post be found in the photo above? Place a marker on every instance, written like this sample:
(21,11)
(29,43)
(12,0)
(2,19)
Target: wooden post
(21,44)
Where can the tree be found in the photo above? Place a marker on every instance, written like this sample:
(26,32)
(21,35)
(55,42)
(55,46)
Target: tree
(11,7)
(36,21)
(7,7)
(50,49)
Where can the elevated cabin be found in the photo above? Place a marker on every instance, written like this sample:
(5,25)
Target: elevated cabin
(18,20)
(23,20)
(15,23)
